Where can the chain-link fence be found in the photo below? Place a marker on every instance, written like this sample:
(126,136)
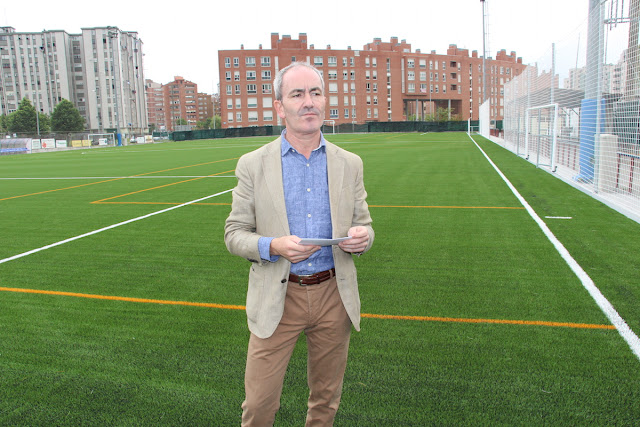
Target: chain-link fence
(576,110)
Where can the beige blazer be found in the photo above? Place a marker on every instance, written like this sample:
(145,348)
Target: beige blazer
(258,209)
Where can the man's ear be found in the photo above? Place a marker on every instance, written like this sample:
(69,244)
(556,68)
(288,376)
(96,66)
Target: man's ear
(279,108)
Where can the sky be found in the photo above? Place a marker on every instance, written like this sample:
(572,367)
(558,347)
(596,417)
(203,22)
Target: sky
(182,39)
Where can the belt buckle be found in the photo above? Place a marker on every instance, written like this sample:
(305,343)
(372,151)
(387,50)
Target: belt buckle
(302,277)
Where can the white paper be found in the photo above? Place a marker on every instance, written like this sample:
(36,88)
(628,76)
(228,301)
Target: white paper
(322,242)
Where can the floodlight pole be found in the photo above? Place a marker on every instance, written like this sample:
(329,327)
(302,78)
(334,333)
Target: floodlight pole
(484,53)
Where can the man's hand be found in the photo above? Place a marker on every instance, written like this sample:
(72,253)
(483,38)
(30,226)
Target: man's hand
(288,247)
(358,242)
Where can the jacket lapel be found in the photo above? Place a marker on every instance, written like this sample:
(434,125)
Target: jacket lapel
(272,167)
(335,175)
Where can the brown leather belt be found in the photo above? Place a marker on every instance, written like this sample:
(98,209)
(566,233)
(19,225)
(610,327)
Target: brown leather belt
(312,279)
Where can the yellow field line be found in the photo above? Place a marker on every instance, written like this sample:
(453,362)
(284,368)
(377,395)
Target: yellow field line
(447,207)
(114,179)
(371,316)
(495,321)
(161,186)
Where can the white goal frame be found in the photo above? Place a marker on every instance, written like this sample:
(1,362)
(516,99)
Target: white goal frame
(554,134)
(332,123)
(103,139)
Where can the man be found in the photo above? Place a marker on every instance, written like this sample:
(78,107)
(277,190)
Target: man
(299,186)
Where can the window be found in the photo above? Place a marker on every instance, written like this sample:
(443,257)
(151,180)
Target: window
(227,62)
(227,75)
(267,102)
(252,102)
(236,76)
(367,75)
(237,90)
(411,75)
(250,61)
(333,101)
(236,62)
(267,116)
(375,75)
(266,88)
(238,117)
(332,61)
(353,75)
(368,99)
(333,75)
(333,113)
(374,63)
(266,74)
(344,61)
(423,76)
(366,61)
(317,61)
(230,117)
(411,88)
(346,113)
(253,116)
(333,87)
(229,89)
(345,75)
(411,63)
(251,75)
(423,63)
(229,103)
(238,103)
(346,100)
(265,61)
(252,88)
(375,100)
(375,113)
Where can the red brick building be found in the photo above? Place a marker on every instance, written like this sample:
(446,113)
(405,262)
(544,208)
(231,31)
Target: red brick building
(385,81)
(181,103)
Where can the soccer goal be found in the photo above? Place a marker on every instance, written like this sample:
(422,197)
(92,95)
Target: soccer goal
(472,129)
(541,134)
(329,124)
(102,139)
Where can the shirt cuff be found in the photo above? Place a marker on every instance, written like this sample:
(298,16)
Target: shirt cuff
(264,243)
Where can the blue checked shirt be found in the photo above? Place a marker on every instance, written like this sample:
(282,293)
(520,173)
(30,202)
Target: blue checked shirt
(306,194)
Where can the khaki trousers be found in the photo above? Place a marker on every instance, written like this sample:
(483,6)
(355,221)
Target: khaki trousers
(316,310)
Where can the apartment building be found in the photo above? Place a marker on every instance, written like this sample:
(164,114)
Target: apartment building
(181,103)
(385,81)
(205,106)
(99,71)
(155,105)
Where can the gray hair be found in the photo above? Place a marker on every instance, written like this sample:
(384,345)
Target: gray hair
(277,82)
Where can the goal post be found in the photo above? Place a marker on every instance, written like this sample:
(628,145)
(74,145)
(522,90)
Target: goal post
(541,134)
(331,123)
(102,139)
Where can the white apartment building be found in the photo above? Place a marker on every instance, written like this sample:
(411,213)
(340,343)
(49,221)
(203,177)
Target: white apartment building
(100,71)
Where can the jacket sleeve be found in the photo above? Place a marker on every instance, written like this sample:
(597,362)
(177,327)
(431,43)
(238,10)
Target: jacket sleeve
(240,228)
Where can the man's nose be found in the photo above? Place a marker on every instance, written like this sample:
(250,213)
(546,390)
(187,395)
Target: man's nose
(307,99)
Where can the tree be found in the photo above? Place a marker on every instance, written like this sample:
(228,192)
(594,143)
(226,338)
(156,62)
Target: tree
(66,118)
(23,120)
(4,123)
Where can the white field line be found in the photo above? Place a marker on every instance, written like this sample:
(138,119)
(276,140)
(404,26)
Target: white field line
(71,239)
(623,329)
(120,177)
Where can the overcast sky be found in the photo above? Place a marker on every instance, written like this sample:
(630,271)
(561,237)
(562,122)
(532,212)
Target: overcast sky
(182,38)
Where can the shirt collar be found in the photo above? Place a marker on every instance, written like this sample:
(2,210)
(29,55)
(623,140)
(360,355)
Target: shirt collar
(286,146)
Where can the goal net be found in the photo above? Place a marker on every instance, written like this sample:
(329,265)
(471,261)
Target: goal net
(102,139)
(329,126)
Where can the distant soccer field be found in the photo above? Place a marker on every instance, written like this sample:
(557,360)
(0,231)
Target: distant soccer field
(120,305)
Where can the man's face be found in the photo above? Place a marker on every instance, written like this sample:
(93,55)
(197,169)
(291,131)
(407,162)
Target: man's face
(303,101)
